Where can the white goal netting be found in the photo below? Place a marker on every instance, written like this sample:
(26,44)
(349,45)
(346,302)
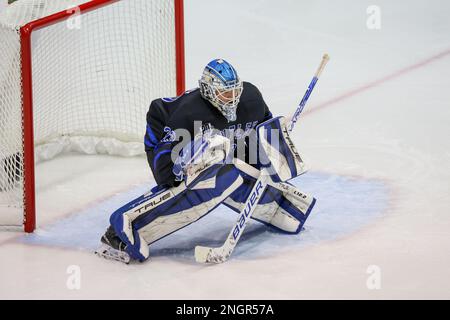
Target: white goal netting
(94,76)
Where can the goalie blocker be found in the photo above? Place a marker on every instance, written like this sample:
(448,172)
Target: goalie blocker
(216,180)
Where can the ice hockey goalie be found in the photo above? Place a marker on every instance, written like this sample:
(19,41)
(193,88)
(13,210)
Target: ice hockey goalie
(207,148)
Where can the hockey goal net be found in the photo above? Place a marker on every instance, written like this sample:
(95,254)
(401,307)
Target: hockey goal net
(79,76)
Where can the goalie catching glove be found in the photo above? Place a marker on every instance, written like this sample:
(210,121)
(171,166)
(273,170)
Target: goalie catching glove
(209,148)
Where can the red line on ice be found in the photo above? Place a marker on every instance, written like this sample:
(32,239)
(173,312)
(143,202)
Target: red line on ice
(377,82)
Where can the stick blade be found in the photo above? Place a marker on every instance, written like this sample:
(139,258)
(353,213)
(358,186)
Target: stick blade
(211,255)
(202,254)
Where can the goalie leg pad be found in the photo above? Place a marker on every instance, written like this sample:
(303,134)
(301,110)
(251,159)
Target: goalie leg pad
(285,210)
(282,206)
(136,246)
(153,216)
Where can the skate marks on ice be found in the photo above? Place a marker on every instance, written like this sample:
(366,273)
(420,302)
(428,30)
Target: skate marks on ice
(344,205)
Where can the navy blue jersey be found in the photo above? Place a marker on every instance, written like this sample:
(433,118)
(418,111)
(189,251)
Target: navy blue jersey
(168,114)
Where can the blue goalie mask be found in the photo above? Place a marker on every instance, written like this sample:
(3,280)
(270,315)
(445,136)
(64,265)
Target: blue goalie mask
(221,86)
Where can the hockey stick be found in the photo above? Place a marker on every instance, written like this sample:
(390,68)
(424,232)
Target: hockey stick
(311,86)
(221,254)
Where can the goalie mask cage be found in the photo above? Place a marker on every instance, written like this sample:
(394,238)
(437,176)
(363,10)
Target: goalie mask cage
(79,75)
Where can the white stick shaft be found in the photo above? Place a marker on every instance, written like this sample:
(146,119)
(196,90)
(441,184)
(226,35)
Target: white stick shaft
(221,254)
(323,63)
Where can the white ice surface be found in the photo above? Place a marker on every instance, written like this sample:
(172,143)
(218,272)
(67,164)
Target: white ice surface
(379,167)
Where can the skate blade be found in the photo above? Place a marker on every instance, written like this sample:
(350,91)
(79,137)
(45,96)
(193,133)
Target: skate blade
(110,253)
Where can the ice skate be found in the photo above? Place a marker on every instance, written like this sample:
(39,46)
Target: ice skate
(112,247)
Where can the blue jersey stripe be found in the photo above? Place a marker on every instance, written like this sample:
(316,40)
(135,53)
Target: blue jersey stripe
(151,134)
(148,143)
(158,155)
